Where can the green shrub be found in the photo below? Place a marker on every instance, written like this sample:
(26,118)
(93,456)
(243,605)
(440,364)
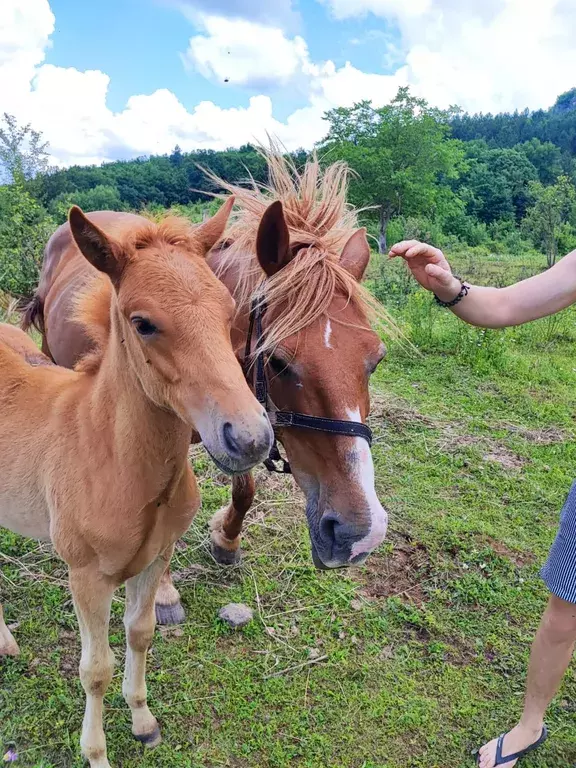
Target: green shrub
(25,227)
(102,197)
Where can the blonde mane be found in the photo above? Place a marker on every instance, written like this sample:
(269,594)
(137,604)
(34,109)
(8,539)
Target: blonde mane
(320,222)
(92,304)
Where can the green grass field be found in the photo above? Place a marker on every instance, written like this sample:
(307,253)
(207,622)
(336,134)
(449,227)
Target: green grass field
(411,661)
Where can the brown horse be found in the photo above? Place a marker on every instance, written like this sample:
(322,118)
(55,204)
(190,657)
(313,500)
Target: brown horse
(23,344)
(309,257)
(296,249)
(96,459)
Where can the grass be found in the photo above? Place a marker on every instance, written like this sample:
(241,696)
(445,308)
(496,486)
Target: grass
(420,655)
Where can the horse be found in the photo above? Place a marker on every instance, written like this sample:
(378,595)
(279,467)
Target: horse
(23,345)
(96,459)
(296,245)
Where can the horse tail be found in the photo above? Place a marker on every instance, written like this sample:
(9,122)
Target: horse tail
(33,314)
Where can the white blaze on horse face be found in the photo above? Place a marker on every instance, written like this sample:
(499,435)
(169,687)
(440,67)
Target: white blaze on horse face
(327,334)
(365,478)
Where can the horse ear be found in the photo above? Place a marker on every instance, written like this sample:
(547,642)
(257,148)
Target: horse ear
(212,230)
(101,251)
(273,240)
(356,254)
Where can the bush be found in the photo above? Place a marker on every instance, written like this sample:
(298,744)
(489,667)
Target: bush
(25,227)
(507,238)
(102,197)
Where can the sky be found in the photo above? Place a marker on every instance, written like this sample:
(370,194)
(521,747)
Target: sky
(115,79)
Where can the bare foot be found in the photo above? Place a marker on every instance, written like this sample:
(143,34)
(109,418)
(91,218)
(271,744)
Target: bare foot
(515,740)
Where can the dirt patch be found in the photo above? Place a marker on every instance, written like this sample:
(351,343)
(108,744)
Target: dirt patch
(518,558)
(452,443)
(489,388)
(461,652)
(544,436)
(396,413)
(505,458)
(190,573)
(400,573)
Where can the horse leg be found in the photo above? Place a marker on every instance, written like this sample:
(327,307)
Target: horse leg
(169,609)
(226,525)
(225,530)
(8,646)
(139,620)
(92,593)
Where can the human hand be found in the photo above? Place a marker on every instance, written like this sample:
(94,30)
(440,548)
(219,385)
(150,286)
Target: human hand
(429,267)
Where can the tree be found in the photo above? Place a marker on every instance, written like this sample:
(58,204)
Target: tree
(552,218)
(102,197)
(176,156)
(399,154)
(545,157)
(23,154)
(497,182)
(25,227)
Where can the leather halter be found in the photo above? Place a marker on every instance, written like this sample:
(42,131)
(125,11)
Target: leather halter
(282,419)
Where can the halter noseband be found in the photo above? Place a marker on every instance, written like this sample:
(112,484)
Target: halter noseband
(287,418)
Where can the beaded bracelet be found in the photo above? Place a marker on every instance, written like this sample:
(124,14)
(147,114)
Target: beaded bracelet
(463,292)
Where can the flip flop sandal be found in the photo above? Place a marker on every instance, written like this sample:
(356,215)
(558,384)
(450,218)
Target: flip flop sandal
(503,759)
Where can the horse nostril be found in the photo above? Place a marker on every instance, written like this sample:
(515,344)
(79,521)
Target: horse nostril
(329,527)
(246,444)
(230,440)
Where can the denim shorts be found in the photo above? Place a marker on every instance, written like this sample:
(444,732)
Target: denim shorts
(559,571)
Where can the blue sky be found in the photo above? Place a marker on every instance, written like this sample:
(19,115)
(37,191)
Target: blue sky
(105,79)
(138,42)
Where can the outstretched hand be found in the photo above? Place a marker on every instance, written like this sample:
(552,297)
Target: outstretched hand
(429,267)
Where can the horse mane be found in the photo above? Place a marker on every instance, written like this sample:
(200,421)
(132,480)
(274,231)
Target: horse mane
(320,222)
(92,304)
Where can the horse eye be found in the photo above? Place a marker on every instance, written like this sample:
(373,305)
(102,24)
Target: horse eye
(143,326)
(279,367)
(374,366)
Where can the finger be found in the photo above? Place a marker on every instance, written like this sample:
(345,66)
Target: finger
(399,248)
(423,249)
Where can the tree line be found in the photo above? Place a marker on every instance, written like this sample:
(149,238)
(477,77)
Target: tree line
(504,182)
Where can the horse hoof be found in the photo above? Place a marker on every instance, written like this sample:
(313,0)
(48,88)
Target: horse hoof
(225,556)
(170,614)
(150,740)
(9,647)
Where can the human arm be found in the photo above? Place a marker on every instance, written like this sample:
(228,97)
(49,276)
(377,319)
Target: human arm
(538,296)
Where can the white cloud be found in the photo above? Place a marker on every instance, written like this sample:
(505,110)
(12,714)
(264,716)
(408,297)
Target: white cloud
(246,53)
(485,55)
(481,54)
(348,85)
(25,29)
(69,106)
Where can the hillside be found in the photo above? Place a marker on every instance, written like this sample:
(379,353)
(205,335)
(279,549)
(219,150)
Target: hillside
(502,183)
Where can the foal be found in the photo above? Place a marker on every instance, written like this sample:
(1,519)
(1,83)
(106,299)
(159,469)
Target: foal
(96,459)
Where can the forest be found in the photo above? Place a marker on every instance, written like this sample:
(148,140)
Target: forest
(482,184)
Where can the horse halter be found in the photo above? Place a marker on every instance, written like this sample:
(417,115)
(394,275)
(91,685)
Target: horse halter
(282,419)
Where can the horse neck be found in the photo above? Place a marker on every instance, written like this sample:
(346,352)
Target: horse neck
(121,410)
(229,277)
